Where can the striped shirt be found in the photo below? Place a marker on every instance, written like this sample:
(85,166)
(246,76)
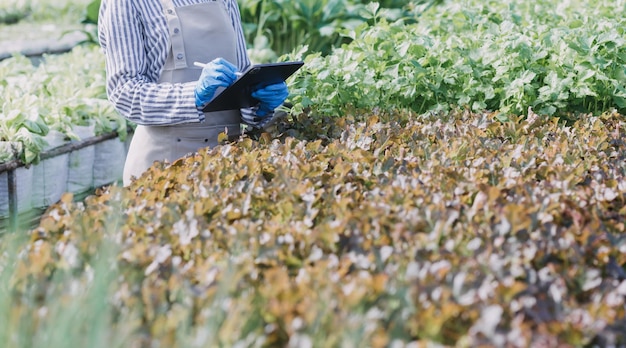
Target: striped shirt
(134,37)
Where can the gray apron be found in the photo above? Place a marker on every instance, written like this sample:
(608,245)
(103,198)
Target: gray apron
(198,32)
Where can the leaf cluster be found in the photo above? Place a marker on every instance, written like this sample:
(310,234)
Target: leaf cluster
(60,93)
(456,228)
(496,55)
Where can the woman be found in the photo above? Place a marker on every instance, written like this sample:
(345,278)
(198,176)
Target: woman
(150,48)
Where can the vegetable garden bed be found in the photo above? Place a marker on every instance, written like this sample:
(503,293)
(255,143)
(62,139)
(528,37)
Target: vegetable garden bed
(450,228)
(54,104)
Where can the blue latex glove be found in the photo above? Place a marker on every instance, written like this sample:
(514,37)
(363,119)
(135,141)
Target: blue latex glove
(218,73)
(270,97)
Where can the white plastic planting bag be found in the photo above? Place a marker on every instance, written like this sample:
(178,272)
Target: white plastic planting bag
(23,178)
(80,176)
(109,159)
(50,175)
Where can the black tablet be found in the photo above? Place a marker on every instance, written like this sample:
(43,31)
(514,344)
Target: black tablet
(238,95)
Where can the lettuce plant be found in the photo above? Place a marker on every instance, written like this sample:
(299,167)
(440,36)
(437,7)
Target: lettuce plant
(23,125)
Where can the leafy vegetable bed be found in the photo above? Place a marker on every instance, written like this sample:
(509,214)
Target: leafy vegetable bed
(43,107)
(452,228)
(560,58)
(62,93)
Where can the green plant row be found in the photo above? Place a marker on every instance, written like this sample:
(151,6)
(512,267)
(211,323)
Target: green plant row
(455,229)
(496,55)
(62,92)
(14,11)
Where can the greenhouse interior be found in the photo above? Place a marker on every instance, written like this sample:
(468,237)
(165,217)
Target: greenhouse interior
(436,173)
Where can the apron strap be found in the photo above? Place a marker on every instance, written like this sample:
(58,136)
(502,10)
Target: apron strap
(176,36)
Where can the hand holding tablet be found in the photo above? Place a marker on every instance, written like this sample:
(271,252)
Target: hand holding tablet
(239,94)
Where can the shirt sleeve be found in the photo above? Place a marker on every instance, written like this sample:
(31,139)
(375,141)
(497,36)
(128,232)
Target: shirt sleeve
(133,90)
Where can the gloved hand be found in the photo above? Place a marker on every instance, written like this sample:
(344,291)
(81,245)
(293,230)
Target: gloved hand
(270,97)
(217,73)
